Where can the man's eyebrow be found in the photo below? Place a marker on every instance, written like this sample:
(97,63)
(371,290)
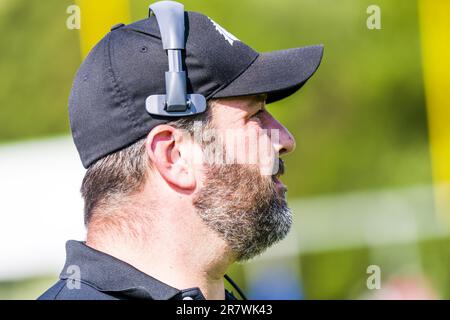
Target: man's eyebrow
(257,100)
(261,97)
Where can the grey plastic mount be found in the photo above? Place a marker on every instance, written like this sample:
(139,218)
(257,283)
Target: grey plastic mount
(175,103)
(170,16)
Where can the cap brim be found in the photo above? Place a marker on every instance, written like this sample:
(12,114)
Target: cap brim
(278,74)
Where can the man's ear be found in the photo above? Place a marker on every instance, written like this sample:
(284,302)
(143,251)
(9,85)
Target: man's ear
(164,148)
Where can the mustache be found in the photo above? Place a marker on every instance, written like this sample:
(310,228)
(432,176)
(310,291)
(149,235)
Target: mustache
(278,168)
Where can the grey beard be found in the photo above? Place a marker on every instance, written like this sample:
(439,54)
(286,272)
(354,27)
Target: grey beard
(243,208)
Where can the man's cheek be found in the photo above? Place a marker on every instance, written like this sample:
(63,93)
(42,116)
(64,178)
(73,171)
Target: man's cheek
(241,146)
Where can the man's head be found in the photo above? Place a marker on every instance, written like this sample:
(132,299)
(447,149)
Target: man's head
(219,168)
(218,160)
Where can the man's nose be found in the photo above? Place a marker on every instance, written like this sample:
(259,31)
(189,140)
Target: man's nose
(286,141)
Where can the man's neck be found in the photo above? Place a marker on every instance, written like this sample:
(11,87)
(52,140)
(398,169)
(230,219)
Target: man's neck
(178,252)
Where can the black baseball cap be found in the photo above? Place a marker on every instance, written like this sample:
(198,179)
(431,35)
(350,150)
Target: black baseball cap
(107,102)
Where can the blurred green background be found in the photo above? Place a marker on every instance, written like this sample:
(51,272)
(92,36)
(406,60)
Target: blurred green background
(360,123)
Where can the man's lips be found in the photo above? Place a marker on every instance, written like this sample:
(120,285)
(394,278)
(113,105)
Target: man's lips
(279,185)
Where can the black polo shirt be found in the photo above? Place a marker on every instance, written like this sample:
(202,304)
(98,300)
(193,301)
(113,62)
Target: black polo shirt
(90,274)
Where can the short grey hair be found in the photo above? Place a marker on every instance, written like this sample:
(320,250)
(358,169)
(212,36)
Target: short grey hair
(121,174)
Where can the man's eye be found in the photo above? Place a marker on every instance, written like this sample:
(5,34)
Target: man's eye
(258,113)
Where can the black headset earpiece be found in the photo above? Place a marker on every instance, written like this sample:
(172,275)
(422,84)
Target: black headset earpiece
(176,102)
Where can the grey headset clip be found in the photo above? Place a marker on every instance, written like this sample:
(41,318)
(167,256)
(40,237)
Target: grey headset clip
(176,102)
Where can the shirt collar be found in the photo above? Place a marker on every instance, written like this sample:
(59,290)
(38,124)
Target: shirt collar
(111,275)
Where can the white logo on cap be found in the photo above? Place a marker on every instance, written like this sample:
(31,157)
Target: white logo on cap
(228,36)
